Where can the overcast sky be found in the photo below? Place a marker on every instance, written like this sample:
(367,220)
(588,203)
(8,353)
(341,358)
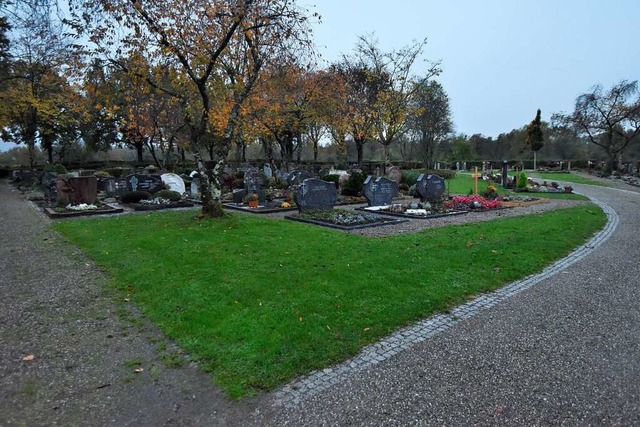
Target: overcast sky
(501,59)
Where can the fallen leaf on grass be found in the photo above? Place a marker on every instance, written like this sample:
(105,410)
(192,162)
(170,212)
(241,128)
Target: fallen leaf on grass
(28,358)
(367,329)
(138,370)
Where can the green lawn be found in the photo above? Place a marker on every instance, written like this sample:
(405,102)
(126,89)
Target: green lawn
(462,183)
(258,301)
(567,177)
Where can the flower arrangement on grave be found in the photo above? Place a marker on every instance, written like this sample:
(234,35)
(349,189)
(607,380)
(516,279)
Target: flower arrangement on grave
(252,200)
(285,204)
(81,207)
(490,193)
(472,202)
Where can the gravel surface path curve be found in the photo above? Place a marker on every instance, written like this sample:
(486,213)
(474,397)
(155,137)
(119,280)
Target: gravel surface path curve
(565,351)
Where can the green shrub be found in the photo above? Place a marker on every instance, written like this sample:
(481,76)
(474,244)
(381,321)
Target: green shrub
(410,177)
(135,196)
(353,185)
(102,173)
(174,196)
(332,178)
(57,168)
(522,181)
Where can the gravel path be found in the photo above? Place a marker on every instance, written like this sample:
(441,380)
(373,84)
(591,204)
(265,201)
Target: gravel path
(565,351)
(85,347)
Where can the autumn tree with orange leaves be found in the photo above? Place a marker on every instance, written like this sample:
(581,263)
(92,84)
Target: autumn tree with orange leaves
(193,37)
(289,108)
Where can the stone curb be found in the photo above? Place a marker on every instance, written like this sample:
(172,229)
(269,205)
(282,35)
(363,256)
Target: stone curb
(299,390)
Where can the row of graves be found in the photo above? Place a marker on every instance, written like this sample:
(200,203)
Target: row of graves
(89,193)
(316,201)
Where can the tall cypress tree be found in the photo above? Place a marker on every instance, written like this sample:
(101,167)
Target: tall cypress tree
(535,137)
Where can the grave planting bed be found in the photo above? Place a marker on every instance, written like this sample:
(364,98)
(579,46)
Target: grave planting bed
(261,209)
(381,210)
(344,220)
(67,213)
(157,207)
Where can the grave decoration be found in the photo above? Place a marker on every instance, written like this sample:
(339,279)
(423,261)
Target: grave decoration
(414,209)
(379,191)
(474,202)
(145,201)
(343,219)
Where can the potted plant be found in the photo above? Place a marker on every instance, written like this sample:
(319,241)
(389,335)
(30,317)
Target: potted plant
(253,200)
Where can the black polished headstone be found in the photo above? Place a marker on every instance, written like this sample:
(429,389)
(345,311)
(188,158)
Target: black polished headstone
(430,187)
(505,170)
(379,191)
(149,183)
(238,195)
(315,194)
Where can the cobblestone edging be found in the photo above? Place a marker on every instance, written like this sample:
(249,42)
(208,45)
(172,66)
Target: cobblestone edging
(297,391)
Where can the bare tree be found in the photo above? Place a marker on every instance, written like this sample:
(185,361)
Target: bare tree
(609,119)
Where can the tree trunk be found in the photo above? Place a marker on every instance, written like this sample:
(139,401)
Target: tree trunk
(139,148)
(535,167)
(210,190)
(360,150)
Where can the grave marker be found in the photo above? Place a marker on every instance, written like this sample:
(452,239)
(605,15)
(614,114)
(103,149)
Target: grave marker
(252,180)
(379,191)
(297,176)
(315,194)
(174,182)
(430,187)
(149,183)
(475,175)
(395,174)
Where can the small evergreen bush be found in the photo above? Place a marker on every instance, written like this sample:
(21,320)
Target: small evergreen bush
(135,196)
(522,181)
(353,185)
(174,196)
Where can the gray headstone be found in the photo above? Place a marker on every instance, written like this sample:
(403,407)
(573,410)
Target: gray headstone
(298,176)
(268,172)
(315,194)
(379,191)
(252,180)
(119,187)
(148,183)
(395,174)
(195,188)
(49,185)
(430,187)
(174,182)
(505,170)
